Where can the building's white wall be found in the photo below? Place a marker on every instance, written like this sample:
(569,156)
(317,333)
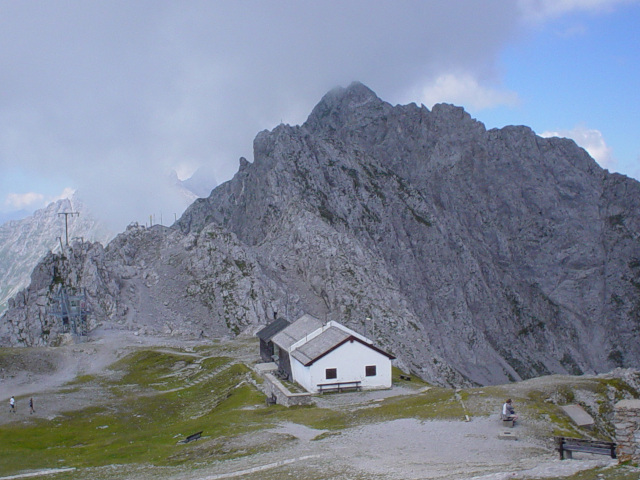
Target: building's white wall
(350,359)
(302,375)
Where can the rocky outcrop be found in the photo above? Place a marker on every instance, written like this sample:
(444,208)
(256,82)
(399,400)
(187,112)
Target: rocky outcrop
(473,255)
(23,243)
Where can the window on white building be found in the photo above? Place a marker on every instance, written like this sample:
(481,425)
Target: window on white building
(331,373)
(370,371)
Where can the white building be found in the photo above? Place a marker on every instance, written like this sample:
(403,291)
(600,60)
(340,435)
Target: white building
(322,357)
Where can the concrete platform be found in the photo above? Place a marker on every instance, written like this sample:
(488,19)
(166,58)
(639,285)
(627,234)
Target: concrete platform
(507,435)
(579,416)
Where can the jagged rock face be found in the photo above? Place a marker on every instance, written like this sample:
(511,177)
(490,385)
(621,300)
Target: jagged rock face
(149,280)
(473,255)
(23,243)
(514,253)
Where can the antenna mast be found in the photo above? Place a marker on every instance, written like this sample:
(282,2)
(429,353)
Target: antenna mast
(66,224)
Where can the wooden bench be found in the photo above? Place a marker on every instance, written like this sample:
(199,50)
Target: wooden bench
(405,377)
(568,445)
(191,438)
(339,386)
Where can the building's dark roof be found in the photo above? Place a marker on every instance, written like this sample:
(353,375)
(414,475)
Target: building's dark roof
(319,345)
(298,330)
(272,329)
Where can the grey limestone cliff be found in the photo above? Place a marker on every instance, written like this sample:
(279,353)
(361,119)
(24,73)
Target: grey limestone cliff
(473,255)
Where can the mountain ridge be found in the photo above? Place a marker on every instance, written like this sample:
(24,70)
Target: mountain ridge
(474,255)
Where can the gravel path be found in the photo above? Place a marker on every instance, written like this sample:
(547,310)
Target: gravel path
(414,449)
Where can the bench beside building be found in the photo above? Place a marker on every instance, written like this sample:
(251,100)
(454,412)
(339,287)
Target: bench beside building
(322,357)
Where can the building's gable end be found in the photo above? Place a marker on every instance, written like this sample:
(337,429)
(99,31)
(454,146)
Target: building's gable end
(351,338)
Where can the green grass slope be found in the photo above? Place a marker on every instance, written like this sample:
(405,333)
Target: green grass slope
(147,401)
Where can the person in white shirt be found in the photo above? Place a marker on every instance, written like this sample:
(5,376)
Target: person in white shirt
(508,412)
(12,405)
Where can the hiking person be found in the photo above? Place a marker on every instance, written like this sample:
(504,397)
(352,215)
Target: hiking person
(31,406)
(12,404)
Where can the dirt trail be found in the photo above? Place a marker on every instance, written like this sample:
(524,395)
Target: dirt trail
(50,369)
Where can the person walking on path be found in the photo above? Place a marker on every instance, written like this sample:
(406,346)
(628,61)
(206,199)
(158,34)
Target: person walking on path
(31,406)
(12,405)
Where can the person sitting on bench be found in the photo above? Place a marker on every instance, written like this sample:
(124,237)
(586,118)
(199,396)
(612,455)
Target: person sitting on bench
(508,412)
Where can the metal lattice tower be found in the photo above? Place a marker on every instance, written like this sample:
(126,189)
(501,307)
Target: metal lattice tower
(72,309)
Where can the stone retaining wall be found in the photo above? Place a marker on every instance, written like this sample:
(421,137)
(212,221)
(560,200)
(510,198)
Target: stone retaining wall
(273,386)
(627,423)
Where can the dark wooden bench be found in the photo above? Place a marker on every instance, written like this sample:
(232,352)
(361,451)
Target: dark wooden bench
(191,438)
(405,377)
(339,386)
(567,445)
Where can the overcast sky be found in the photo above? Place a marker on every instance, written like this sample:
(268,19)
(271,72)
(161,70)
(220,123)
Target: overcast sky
(107,97)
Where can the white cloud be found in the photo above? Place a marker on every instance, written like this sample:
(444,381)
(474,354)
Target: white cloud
(185,169)
(19,201)
(116,94)
(591,140)
(110,96)
(33,200)
(544,9)
(465,90)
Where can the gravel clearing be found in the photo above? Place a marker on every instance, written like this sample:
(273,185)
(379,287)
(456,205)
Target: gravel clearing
(404,449)
(414,449)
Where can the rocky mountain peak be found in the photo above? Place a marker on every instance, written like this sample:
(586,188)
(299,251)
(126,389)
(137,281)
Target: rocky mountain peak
(342,106)
(474,256)
(453,117)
